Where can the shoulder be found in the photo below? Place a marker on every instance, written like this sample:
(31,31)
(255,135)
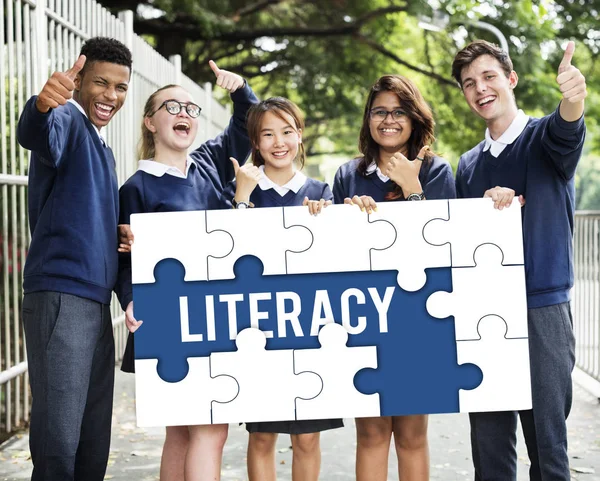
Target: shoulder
(469,158)
(134,183)
(439,164)
(348,169)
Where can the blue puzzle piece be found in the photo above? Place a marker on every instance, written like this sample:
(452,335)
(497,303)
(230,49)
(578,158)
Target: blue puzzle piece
(416,355)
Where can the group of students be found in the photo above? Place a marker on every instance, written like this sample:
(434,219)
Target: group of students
(72,266)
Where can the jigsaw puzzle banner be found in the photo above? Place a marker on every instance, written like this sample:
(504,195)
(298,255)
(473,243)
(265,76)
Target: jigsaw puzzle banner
(272,314)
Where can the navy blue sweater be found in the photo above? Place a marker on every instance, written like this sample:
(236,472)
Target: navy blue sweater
(209,173)
(313,189)
(540,164)
(73,204)
(435,177)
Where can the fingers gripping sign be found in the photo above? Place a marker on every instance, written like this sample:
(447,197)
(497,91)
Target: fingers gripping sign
(570,80)
(225,79)
(59,87)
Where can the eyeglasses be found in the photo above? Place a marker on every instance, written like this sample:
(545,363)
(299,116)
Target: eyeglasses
(174,107)
(398,115)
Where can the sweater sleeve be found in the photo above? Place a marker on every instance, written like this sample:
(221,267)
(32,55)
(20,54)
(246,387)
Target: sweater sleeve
(131,202)
(327,194)
(440,181)
(47,134)
(459,183)
(233,141)
(563,143)
(340,191)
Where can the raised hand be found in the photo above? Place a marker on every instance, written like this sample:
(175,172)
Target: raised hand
(405,172)
(570,80)
(59,87)
(228,80)
(247,178)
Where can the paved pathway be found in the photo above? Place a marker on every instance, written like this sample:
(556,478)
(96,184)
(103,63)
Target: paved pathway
(135,452)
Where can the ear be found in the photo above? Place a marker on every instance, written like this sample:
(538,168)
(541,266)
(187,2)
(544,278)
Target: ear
(513,79)
(149,125)
(77,81)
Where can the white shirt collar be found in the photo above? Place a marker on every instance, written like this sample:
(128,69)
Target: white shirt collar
(158,169)
(294,184)
(508,137)
(373,168)
(80,108)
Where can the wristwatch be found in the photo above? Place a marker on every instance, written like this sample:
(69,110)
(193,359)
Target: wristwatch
(420,196)
(240,205)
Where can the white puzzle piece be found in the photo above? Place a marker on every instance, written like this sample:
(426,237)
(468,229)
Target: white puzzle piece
(176,235)
(344,226)
(474,222)
(410,254)
(506,384)
(487,288)
(161,403)
(267,384)
(248,236)
(336,364)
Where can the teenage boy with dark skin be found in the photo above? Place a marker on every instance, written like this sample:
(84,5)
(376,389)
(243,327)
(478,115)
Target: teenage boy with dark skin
(535,159)
(71,266)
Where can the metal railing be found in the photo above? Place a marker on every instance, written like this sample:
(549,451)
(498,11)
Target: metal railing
(586,292)
(37,38)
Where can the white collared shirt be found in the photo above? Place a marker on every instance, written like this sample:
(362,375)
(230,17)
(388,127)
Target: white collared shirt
(373,168)
(80,108)
(158,169)
(294,184)
(508,137)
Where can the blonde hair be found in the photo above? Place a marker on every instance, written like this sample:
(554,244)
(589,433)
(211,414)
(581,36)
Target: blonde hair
(146,147)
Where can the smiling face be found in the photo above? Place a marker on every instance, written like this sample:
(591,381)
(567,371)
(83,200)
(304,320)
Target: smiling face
(173,132)
(279,139)
(101,89)
(391,134)
(487,89)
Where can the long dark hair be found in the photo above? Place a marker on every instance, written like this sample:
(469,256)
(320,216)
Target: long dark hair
(413,103)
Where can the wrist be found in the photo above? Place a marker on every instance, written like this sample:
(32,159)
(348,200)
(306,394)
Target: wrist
(412,188)
(41,107)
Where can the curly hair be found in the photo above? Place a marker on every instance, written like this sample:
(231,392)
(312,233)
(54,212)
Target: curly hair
(105,49)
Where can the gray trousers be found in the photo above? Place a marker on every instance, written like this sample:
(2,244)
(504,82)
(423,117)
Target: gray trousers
(493,435)
(70,352)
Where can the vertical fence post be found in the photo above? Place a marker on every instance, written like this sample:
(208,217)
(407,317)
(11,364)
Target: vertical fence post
(40,74)
(127,115)
(176,61)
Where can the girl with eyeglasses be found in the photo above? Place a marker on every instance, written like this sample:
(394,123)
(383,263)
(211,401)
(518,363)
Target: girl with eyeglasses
(275,129)
(171,179)
(395,164)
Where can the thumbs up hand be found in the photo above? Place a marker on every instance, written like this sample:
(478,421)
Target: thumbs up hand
(59,87)
(247,178)
(228,80)
(570,80)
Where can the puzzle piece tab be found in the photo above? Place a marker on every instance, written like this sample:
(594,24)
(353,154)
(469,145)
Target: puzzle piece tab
(175,235)
(249,236)
(506,384)
(160,403)
(342,238)
(487,288)
(268,386)
(409,253)
(336,364)
(474,222)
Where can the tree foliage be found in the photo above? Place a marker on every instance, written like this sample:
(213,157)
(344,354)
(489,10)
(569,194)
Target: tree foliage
(325,54)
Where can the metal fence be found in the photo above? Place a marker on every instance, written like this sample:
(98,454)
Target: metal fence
(37,38)
(586,292)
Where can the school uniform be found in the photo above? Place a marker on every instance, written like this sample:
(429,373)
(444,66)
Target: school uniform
(156,187)
(269,194)
(435,176)
(536,158)
(69,275)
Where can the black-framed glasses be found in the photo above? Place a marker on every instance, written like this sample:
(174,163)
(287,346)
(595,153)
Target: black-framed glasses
(174,107)
(398,115)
